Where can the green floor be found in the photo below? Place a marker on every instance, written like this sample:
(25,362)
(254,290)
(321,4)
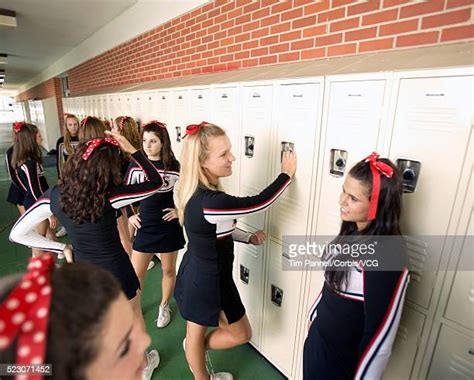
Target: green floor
(243,362)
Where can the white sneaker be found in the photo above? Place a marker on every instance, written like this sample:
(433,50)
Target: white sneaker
(164,316)
(151,265)
(61,232)
(212,375)
(221,376)
(153,360)
(61,256)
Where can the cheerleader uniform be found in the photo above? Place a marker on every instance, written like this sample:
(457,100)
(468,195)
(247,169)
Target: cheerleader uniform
(204,284)
(97,243)
(16,194)
(353,329)
(155,234)
(62,154)
(32,180)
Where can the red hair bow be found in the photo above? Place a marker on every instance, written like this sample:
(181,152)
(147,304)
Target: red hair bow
(192,129)
(93,144)
(17,125)
(84,121)
(376,167)
(159,123)
(123,119)
(26,311)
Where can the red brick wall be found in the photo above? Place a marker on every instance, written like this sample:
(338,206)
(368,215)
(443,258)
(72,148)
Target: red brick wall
(230,35)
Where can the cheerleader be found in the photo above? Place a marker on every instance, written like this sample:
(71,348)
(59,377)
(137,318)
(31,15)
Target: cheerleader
(16,194)
(66,144)
(157,226)
(91,128)
(205,291)
(354,320)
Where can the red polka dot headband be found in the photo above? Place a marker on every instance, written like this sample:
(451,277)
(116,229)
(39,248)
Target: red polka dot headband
(26,311)
(18,125)
(123,119)
(192,129)
(93,144)
(376,167)
(159,123)
(84,121)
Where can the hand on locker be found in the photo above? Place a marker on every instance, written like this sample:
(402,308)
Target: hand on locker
(288,163)
(258,238)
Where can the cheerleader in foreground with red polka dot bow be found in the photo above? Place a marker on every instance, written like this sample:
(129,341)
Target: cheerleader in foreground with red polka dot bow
(85,202)
(74,321)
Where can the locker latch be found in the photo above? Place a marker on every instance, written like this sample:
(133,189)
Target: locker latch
(338,162)
(410,170)
(244,274)
(249,146)
(277,295)
(286,147)
(178,134)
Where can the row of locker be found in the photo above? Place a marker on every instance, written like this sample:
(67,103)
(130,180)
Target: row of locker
(44,114)
(421,120)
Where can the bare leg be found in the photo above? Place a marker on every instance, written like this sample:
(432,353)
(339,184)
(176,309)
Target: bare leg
(140,263)
(125,239)
(195,350)
(21,209)
(229,335)
(168,266)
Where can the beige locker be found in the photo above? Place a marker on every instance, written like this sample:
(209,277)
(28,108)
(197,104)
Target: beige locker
(225,114)
(454,356)
(256,122)
(93,106)
(406,345)
(147,108)
(180,120)
(298,113)
(103,107)
(283,295)
(431,126)
(87,106)
(199,105)
(352,123)
(80,107)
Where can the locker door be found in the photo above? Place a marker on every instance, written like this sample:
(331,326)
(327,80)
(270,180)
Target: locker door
(149,107)
(87,106)
(80,107)
(226,116)
(200,105)
(128,105)
(104,107)
(162,110)
(353,123)
(255,144)
(138,106)
(181,119)
(65,102)
(454,356)
(283,293)
(249,280)
(298,112)
(74,109)
(432,125)
(405,346)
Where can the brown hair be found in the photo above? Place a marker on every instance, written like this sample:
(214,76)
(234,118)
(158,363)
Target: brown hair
(94,177)
(167,155)
(25,146)
(91,128)
(128,127)
(67,134)
(81,298)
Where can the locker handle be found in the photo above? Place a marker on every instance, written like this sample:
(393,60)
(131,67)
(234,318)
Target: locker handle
(163,97)
(297,95)
(199,96)
(149,98)
(256,96)
(224,96)
(277,295)
(180,97)
(471,351)
(434,94)
(358,95)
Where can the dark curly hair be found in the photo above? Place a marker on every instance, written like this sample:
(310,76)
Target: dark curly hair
(81,298)
(85,184)
(167,155)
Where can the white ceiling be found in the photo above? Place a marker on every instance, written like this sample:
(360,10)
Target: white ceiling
(47,30)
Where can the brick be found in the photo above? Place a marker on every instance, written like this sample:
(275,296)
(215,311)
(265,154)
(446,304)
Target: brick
(233,66)
(234,48)
(290,36)
(279,48)
(281,7)
(421,8)
(458,3)
(243,19)
(303,44)
(242,55)
(288,57)
(268,60)
(448,18)
(251,7)
(280,28)
(261,13)
(381,44)
(260,33)
(364,7)
(235,13)
(379,17)
(227,41)
(242,37)
(298,3)
(339,3)
(252,26)
(302,22)
(331,15)
(292,14)
(417,39)
(227,25)
(316,7)
(269,41)
(250,45)
(398,27)
(361,34)
(259,52)
(266,3)
(315,31)
(234,31)
(329,40)
(457,33)
(250,62)
(345,24)
(342,49)
(270,21)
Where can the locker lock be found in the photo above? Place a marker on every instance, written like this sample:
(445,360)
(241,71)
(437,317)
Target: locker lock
(286,147)
(178,134)
(244,274)
(410,170)
(249,146)
(277,295)
(338,162)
